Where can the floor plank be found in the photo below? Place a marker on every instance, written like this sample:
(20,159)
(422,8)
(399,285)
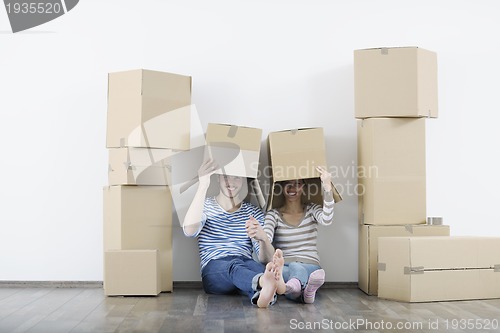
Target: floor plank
(78,310)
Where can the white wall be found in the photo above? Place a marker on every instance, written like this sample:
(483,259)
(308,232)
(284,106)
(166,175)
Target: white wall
(271,64)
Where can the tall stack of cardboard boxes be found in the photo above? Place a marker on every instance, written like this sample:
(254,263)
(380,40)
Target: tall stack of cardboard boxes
(148,121)
(395,91)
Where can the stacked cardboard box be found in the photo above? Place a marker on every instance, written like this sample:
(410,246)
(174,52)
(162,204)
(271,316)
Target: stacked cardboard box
(295,154)
(423,269)
(148,121)
(395,90)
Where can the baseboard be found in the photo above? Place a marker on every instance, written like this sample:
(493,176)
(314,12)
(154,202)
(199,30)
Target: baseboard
(50,284)
(98,284)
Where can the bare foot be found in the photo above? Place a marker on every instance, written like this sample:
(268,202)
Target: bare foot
(278,262)
(268,283)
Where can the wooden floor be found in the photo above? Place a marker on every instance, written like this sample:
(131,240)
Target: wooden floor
(52,310)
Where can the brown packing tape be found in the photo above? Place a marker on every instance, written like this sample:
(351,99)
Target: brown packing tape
(232,131)
(413,270)
(382,266)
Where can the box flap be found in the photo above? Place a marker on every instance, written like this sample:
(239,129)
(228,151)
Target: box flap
(246,138)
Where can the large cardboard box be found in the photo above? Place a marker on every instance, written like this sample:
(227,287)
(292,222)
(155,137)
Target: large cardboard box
(424,269)
(132,272)
(391,171)
(148,109)
(236,149)
(137,218)
(295,154)
(395,82)
(368,248)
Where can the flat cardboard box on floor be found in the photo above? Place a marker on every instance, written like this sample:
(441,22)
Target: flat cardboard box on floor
(295,154)
(132,273)
(368,248)
(426,269)
(391,171)
(395,82)
(140,217)
(236,149)
(148,109)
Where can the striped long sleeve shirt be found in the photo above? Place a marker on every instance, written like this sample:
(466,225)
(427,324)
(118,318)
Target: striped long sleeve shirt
(299,243)
(223,234)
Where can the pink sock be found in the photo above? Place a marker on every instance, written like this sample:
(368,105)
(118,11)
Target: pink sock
(293,287)
(316,280)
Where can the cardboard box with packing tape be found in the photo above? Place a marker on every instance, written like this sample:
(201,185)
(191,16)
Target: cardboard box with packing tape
(236,149)
(368,248)
(395,82)
(140,218)
(425,269)
(391,171)
(295,154)
(149,109)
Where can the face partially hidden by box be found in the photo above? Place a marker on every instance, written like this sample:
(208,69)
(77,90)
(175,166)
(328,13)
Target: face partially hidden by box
(306,190)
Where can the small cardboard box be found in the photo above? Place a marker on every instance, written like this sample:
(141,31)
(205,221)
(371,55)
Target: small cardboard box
(132,273)
(140,217)
(425,269)
(391,171)
(236,149)
(395,82)
(295,154)
(148,109)
(368,248)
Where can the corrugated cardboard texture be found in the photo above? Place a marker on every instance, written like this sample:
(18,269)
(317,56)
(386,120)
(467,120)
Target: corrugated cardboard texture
(132,272)
(451,268)
(140,217)
(148,109)
(401,82)
(368,248)
(391,171)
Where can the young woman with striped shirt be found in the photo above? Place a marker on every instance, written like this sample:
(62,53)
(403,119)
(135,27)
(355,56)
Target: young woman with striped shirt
(293,228)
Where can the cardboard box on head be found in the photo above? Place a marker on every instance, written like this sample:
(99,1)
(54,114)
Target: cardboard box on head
(295,154)
(236,149)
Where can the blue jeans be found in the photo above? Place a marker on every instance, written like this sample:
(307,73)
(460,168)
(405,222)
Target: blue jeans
(233,274)
(300,271)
